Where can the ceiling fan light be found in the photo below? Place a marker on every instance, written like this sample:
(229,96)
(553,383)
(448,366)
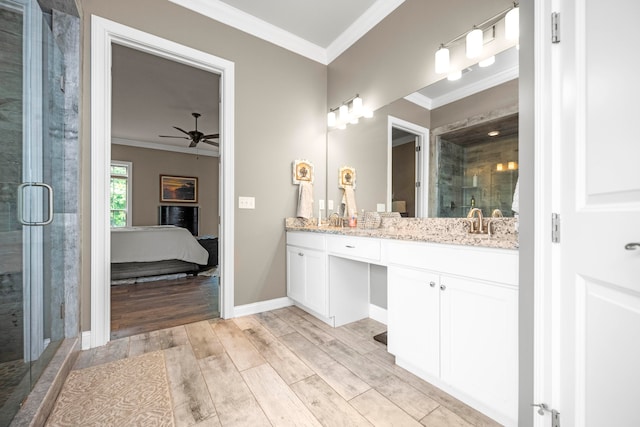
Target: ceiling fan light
(442,60)
(512,24)
(475,40)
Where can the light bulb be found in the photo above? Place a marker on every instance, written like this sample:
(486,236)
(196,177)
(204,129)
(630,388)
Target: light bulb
(367,114)
(344,114)
(331,119)
(442,60)
(512,24)
(356,107)
(475,41)
(455,75)
(499,167)
(487,62)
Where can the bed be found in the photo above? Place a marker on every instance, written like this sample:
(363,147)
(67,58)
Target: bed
(156,250)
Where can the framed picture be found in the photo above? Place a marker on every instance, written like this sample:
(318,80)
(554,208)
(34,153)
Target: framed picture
(347,177)
(302,171)
(180,189)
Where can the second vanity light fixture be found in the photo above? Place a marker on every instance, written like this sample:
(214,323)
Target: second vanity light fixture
(474,39)
(350,111)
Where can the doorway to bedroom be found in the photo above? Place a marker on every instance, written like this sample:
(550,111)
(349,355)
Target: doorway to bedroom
(164,193)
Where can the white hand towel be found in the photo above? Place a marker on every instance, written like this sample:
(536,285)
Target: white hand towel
(305,200)
(515,206)
(349,202)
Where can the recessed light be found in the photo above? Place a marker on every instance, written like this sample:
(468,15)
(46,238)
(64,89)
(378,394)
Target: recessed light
(494,133)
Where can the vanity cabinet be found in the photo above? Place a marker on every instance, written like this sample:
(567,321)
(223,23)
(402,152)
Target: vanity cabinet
(307,271)
(454,328)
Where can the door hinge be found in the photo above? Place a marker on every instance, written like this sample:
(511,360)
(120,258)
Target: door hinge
(418,148)
(544,408)
(62,311)
(418,184)
(555,228)
(62,83)
(555,27)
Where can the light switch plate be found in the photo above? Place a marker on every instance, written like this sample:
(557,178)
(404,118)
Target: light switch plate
(330,203)
(380,207)
(321,204)
(246,202)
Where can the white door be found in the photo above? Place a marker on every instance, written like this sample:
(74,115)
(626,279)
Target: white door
(592,318)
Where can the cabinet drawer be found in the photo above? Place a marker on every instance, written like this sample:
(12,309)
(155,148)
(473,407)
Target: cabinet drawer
(306,239)
(354,247)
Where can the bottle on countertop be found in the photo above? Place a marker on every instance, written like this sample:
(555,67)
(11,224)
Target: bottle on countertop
(473,201)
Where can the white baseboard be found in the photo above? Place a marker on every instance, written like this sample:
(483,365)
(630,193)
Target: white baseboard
(85,343)
(378,313)
(259,307)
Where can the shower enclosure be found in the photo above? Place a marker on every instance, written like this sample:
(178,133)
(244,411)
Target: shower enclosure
(35,226)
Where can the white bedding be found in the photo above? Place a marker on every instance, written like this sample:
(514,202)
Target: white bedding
(155,243)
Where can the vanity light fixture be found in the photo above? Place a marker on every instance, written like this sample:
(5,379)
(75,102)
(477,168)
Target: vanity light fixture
(349,112)
(454,75)
(475,38)
(499,167)
(512,166)
(475,41)
(512,23)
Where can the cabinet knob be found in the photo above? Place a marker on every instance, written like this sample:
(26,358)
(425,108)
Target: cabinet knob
(432,284)
(300,254)
(443,287)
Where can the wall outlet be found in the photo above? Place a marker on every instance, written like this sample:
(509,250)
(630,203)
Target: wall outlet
(330,203)
(246,202)
(380,207)
(321,204)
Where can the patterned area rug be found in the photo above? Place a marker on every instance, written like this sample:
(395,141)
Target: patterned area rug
(128,392)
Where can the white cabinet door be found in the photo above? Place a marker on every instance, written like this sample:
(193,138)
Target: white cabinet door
(295,273)
(479,339)
(316,288)
(306,278)
(413,310)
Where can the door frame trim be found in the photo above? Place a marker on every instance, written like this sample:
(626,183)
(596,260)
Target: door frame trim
(103,33)
(422,165)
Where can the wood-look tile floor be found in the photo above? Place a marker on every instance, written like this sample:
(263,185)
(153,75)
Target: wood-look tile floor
(286,368)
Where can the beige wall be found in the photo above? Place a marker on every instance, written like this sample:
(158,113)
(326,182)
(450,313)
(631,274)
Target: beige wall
(280,112)
(148,165)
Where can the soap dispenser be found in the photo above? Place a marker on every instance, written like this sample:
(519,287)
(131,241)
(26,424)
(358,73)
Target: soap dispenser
(473,201)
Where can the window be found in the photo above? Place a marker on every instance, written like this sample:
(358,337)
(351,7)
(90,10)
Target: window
(120,194)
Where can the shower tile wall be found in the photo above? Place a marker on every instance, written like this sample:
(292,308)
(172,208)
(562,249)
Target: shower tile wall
(11,304)
(494,189)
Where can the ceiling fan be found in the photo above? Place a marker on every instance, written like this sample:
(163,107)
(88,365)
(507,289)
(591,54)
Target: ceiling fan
(195,136)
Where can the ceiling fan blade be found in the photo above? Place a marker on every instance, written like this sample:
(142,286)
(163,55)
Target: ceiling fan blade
(212,136)
(181,130)
(193,144)
(217,144)
(171,136)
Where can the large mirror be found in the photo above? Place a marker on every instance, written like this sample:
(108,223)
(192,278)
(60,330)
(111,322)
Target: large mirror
(439,151)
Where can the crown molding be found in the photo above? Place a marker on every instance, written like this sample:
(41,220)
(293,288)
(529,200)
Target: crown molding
(222,12)
(372,17)
(464,91)
(421,100)
(164,147)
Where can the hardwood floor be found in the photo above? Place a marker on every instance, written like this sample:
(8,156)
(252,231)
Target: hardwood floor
(150,306)
(284,368)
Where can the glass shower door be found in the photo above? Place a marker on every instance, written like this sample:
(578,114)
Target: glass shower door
(31,135)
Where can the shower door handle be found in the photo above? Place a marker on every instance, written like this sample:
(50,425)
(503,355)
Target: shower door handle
(49,191)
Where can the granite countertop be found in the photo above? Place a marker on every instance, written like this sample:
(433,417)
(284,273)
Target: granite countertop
(453,231)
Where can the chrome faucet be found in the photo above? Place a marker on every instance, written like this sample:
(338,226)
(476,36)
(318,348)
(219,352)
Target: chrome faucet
(472,214)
